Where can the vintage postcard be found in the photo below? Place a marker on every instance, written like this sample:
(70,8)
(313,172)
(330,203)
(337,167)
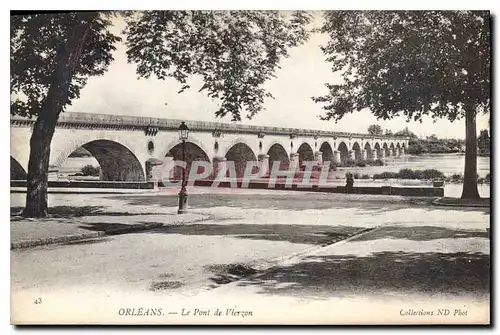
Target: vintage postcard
(250,167)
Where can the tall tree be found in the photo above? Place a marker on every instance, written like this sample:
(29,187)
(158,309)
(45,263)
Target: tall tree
(234,52)
(51,57)
(412,63)
(375,129)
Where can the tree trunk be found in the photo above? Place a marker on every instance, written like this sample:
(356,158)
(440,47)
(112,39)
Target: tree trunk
(470,174)
(44,127)
(38,166)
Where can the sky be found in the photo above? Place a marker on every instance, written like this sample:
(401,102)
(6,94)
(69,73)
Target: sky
(302,75)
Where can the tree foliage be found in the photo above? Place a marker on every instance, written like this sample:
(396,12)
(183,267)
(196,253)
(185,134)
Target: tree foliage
(484,135)
(483,142)
(375,129)
(38,42)
(410,63)
(235,52)
(52,56)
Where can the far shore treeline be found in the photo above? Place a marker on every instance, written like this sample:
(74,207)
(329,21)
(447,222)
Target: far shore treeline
(434,145)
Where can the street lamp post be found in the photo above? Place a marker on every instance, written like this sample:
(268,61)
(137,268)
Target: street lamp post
(183,196)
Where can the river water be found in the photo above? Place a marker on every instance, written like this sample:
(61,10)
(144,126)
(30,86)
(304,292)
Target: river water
(447,163)
(74,165)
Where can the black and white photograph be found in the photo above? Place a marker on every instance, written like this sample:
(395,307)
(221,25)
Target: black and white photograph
(250,167)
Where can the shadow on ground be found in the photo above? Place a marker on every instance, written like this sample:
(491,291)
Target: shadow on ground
(77,211)
(294,202)
(381,273)
(60,211)
(293,233)
(110,228)
(421,233)
(317,234)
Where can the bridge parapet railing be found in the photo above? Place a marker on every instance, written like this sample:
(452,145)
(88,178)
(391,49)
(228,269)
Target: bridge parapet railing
(78,120)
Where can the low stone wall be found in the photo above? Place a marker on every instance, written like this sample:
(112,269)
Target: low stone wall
(384,190)
(91,184)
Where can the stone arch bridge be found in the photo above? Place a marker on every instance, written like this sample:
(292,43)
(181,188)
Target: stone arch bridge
(128,148)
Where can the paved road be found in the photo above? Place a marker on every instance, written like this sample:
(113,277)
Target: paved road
(282,246)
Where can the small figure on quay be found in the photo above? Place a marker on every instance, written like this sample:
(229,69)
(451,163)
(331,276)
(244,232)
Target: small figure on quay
(349,183)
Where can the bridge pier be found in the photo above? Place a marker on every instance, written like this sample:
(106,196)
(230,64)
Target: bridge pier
(263,165)
(396,152)
(219,164)
(318,155)
(294,160)
(153,167)
(374,154)
(168,171)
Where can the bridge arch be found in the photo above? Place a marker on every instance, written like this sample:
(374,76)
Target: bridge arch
(327,151)
(357,150)
(305,152)
(175,142)
(240,153)
(273,142)
(378,148)
(398,147)
(17,172)
(385,147)
(278,153)
(344,152)
(116,160)
(368,148)
(193,153)
(226,146)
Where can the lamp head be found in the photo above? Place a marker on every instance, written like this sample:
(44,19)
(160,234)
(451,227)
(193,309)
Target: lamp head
(183,131)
